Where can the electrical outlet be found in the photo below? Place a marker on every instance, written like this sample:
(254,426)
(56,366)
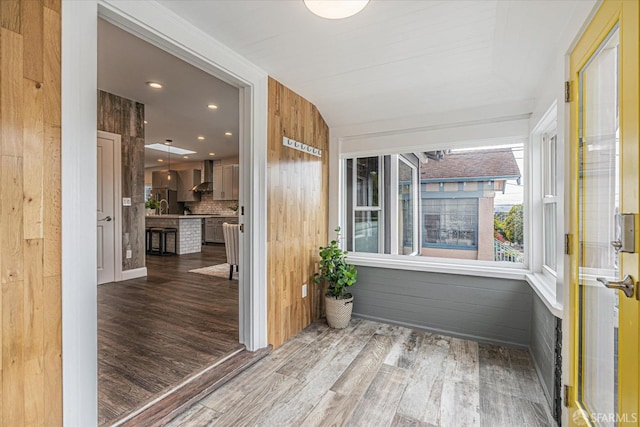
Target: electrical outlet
(126,201)
(304,290)
(129,254)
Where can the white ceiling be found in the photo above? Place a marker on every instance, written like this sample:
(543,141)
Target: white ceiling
(179,110)
(396,58)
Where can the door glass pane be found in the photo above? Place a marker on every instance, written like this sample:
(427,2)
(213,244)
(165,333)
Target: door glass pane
(549,159)
(367,178)
(599,202)
(366,231)
(405,206)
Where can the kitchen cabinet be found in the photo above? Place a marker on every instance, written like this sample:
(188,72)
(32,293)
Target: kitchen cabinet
(160,179)
(213,228)
(225,182)
(187,179)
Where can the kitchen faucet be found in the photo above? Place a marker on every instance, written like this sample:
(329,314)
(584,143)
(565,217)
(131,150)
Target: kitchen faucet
(166,206)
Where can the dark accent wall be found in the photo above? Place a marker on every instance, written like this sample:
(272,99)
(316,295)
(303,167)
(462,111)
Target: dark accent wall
(480,308)
(126,118)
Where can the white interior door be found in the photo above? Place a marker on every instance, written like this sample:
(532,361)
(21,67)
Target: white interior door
(105,219)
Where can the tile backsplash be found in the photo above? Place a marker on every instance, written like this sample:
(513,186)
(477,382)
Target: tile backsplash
(208,206)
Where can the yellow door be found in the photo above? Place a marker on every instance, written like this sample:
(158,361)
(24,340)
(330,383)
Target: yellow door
(604,330)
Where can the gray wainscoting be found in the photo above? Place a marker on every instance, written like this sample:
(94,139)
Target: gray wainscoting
(543,342)
(479,308)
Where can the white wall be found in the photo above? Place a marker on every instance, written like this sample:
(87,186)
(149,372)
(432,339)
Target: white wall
(552,90)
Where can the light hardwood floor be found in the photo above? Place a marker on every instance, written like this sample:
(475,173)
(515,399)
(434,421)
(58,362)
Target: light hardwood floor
(372,374)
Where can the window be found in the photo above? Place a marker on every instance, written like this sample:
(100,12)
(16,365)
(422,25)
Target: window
(407,207)
(450,223)
(457,203)
(366,223)
(549,200)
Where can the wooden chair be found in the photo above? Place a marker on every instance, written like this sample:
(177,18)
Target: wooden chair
(231,235)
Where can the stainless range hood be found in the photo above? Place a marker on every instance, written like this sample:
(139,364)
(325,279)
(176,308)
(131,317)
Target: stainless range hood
(207,185)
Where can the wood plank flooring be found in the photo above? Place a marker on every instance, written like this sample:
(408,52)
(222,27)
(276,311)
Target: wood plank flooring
(155,332)
(372,374)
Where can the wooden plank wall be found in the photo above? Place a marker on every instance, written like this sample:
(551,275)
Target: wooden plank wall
(126,118)
(297,212)
(30,215)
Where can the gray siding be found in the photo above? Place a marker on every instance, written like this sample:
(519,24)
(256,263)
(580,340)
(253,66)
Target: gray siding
(543,338)
(480,308)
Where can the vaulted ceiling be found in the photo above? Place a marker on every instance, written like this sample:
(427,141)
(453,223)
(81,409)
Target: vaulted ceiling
(396,58)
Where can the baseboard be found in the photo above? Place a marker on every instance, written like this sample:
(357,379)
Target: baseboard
(470,337)
(134,273)
(547,395)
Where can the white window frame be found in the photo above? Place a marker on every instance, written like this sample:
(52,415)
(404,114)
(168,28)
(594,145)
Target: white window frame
(379,208)
(506,270)
(395,183)
(543,279)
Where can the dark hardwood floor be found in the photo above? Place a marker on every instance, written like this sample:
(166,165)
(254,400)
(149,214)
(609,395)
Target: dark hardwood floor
(158,331)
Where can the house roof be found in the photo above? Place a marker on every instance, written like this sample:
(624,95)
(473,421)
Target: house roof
(472,165)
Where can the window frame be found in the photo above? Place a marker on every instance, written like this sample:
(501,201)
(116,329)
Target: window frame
(395,183)
(357,208)
(549,199)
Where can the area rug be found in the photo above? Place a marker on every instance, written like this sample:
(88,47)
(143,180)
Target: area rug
(220,270)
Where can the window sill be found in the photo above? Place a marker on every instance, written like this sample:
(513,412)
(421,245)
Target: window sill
(545,289)
(403,262)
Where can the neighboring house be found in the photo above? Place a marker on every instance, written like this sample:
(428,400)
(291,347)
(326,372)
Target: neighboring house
(457,194)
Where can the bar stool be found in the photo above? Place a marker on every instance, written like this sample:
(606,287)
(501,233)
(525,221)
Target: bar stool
(159,232)
(165,233)
(147,239)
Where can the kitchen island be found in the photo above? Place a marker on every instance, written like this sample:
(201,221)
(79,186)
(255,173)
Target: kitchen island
(189,235)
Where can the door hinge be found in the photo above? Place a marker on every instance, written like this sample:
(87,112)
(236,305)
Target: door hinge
(566,398)
(567,244)
(567,91)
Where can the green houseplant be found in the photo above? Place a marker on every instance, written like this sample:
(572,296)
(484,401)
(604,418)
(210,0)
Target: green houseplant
(339,275)
(151,205)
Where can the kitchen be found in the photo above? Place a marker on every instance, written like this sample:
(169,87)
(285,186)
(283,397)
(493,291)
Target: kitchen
(195,198)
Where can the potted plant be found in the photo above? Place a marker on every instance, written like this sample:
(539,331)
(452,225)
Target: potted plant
(338,274)
(151,205)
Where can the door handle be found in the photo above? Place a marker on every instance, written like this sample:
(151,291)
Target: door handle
(107,218)
(626,285)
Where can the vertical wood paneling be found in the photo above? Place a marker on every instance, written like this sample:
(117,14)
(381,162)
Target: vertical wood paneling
(297,210)
(30,214)
(11,102)
(126,118)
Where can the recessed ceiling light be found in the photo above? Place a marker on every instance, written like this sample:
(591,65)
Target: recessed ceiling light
(160,160)
(332,9)
(212,106)
(228,133)
(154,85)
(212,154)
(201,138)
(145,122)
(167,143)
(185,157)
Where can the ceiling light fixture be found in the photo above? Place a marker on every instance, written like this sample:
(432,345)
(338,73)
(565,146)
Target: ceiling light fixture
(160,160)
(145,122)
(228,133)
(212,154)
(201,138)
(154,85)
(335,9)
(212,106)
(168,142)
(185,157)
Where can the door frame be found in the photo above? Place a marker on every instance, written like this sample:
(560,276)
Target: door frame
(117,197)
(153,23)
(597,28)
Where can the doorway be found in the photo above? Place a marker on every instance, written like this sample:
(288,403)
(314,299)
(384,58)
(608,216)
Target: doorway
(79,76)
